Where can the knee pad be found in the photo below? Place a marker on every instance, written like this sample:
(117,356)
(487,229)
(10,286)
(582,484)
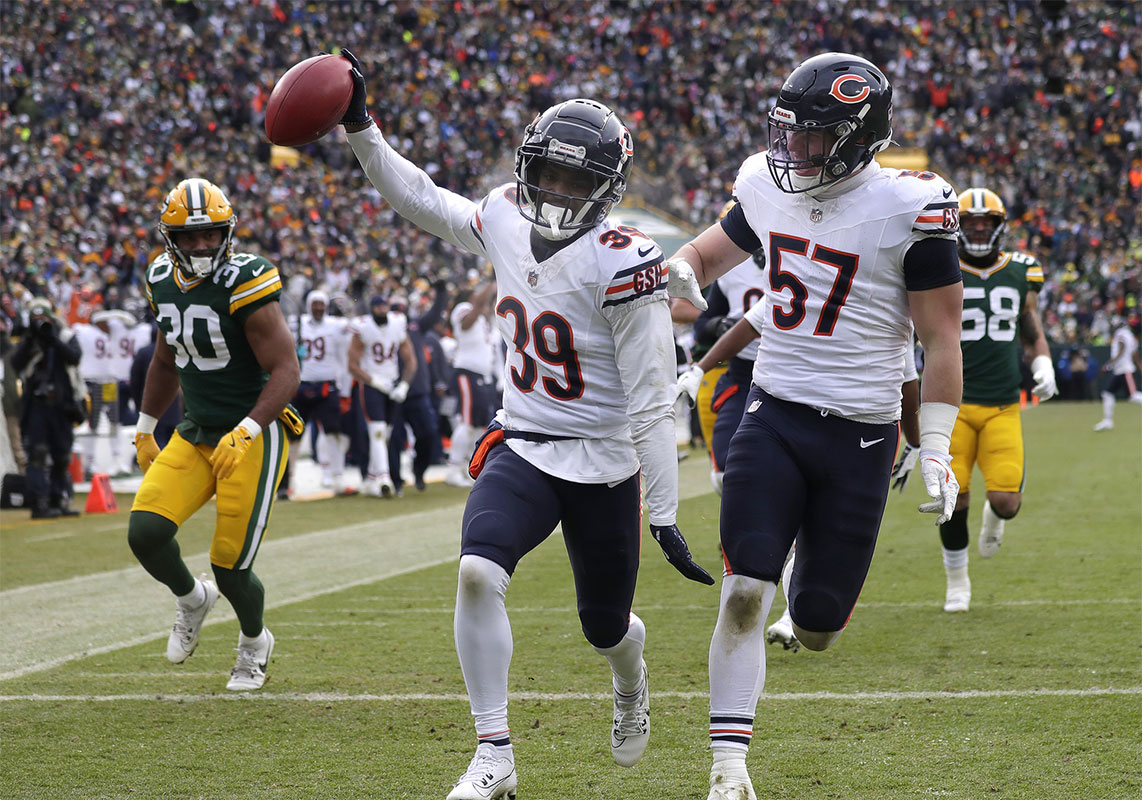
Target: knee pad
(604,627)
(480,577)
(147,532)
(744,603)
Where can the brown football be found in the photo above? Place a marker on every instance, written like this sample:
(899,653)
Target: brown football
(309,100)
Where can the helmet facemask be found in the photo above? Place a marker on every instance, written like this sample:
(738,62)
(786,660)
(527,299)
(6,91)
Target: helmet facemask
(560,214)
(980,242)
(807,156)
(197,205)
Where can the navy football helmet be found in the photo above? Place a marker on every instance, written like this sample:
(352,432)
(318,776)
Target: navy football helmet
(579,135)
(833,114)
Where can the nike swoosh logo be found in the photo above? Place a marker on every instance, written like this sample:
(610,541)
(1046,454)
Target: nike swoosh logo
(864,444)
(644,253)
(258,271)
(947,192)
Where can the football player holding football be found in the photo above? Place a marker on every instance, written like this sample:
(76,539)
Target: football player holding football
(855,253)
(225,343)
(1000,323)
(587,404)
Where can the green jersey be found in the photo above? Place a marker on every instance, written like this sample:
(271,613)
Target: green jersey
(203,322)
(993,304)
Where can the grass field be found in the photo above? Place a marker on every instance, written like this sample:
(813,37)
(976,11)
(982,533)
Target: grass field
(1036,693)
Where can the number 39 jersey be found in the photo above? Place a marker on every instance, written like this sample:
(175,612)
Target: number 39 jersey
(836,314)
(993,303)
(203,321)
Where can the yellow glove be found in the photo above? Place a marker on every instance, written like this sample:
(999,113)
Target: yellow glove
(232,448)
(146,450)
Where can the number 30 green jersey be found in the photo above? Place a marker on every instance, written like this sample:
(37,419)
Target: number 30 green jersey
(202,321)
(993,303)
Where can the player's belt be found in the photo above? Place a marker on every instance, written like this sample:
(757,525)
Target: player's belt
(532,436)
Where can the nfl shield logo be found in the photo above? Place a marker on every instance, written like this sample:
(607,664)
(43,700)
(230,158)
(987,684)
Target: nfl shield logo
(532,278)
(815,215)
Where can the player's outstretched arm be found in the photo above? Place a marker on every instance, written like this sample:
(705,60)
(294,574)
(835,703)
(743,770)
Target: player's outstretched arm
(407,188)
(711,254)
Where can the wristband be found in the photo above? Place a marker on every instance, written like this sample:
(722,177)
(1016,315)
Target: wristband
(252,428)
(936,423)
(146,424)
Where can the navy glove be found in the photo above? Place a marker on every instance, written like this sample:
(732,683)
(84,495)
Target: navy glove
(356,114)
(670,539)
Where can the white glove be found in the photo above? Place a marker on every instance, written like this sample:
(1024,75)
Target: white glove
(941,483)
(399,392)
(688,384)
(382,386)
(902,470)
(1044,375)
(682,282)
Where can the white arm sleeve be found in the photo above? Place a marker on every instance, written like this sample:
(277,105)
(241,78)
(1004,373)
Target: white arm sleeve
(644,350)
(410,191)
(910,373)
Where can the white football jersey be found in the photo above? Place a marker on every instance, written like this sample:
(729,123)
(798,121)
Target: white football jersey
(326,348)
(474,351)
(381,345)
(743,287)
(123,342)
(95,353)
(1122,347)
(836,314)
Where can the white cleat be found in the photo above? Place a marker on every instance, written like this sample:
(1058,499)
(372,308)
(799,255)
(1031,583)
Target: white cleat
(386,486)
(781,632)
(990,532)
(249,672)
(958,596)
(730,781)
(631,730)
(188,624)
(489,777)
(1105,425)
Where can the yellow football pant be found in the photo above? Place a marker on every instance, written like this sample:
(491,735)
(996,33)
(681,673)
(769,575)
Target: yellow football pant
(181,480)
(707,415)
(992,436)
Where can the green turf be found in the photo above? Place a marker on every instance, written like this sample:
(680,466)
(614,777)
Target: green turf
(365,697)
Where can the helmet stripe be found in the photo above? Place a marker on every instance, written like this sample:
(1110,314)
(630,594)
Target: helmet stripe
(196,197)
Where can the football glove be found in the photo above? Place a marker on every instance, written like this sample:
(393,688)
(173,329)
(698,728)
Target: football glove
(940,481)
(688,384)
(356,113)
(682,282)
(670,539)
(1044,374)
(146,450)
(399,392)
(230,451)
(902,469)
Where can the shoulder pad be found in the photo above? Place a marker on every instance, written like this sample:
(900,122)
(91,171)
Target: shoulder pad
(250,278)
(1034,270)
(936,206)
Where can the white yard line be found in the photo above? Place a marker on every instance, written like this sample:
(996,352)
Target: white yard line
(338,697)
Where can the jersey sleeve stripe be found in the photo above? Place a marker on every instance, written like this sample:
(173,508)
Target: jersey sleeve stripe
(256,293)
(620,300)
(637,268)
(940,206)
(1035,274)
(253,283)
(930,218)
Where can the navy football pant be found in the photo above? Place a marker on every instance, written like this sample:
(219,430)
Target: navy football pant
(514,507)
(792,473)
(728,403)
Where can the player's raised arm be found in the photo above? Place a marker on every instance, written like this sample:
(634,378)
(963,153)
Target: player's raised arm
(406,187)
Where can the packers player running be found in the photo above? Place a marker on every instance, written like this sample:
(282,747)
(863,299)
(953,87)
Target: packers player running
(226,344)
(1000,321)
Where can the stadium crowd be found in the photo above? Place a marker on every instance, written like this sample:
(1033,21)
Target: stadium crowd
(105,106)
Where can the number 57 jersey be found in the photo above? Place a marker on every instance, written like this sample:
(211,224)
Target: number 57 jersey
(560,319)
(202,321)
(836,316)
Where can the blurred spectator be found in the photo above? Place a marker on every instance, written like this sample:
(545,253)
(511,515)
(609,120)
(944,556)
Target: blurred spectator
(51,404)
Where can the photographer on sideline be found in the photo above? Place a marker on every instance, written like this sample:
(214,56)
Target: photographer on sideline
(51,407)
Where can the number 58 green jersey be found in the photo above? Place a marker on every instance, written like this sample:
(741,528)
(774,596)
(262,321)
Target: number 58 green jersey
(202,321)
(993,304)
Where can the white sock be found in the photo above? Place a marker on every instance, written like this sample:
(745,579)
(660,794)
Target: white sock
(252,641)
(954,559)
(737,654)
(1108,407)
(463,443)
(991,520)
(484,642)
(195,597)
(787,573)
(625,658)
(378,449)
(337,444)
